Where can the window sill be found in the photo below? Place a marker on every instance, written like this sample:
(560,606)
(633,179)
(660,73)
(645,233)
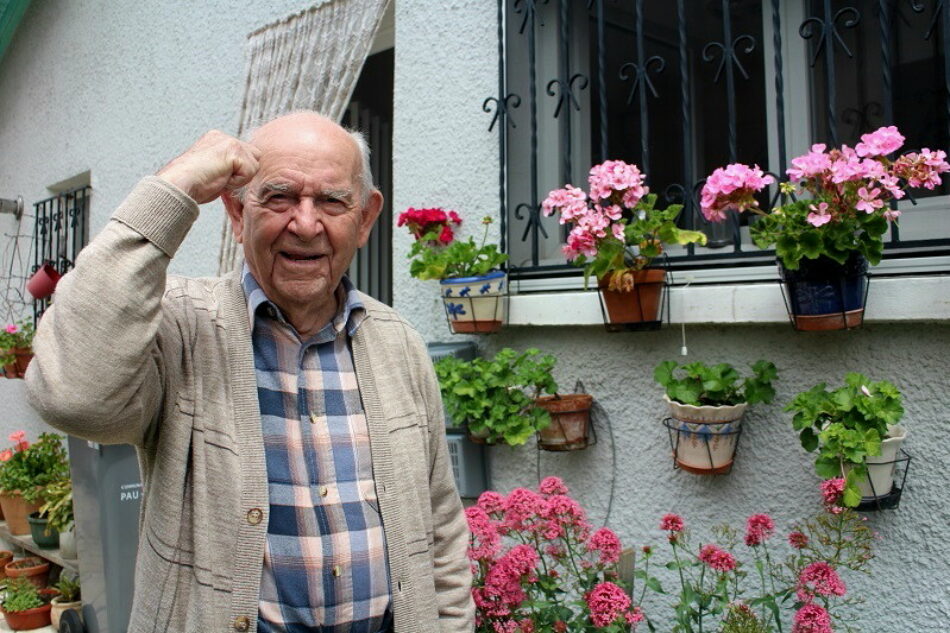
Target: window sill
(889,299)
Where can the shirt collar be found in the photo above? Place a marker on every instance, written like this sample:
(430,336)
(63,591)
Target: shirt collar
(349,316)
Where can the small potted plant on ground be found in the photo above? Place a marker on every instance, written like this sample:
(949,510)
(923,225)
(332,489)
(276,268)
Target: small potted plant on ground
(495,398)
(707,403)
(32,568)
(25,470)
(472,282)
(58,510)
(16,348)
(616,233)
(835,224)
(69,597)
(856,434)
(25,606)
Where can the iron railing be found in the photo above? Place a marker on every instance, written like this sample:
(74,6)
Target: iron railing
(60,231)
(563,90)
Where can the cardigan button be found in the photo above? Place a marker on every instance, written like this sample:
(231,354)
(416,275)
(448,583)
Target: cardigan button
(254,516)
(242,623)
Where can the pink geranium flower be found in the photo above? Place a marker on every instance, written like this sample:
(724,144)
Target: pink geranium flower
(732,187)
(12,328)
(819,214)
(6,454)
(880,142)
(868,201)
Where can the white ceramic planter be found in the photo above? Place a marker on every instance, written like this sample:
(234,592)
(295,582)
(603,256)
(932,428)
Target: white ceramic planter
(56,612)
(67,543)
(705,437)
(475,304)
(881,468)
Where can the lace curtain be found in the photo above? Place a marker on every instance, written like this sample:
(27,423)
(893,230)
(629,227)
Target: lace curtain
(310,60)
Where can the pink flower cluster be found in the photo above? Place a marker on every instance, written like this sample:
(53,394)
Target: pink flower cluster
(819,579)
(758,529)
(502,590)
(812,618)
(615,186)
(732,187)
(831,491)
(672,523)
(605,542)
(424,221)
(20,444)
(798,540)
(12,328)
(716,558)
(608,603)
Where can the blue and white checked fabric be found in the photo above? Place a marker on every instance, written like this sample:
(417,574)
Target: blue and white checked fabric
(325,565)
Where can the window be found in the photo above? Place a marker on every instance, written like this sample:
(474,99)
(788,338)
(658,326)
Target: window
(683,87)
(60,230)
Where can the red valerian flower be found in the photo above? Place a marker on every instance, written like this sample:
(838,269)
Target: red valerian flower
(716,558)
(672,523)
(758,529)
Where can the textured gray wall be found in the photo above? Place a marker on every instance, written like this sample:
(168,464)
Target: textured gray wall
(445,156)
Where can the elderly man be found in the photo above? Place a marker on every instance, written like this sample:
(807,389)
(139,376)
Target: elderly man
(289,428)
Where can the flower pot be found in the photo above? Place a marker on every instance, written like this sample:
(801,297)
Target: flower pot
(44,536)
(478,437)
(880,479)
(570,421)
(825,295)
(704,438)
(635,305)
(37,571)
(6,556)
(16,510)
(43,282)
(67,543)
(58,607)
(22,358)
(475,305)
(31,618)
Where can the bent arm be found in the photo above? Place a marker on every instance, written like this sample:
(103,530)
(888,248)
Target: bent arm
(101,350)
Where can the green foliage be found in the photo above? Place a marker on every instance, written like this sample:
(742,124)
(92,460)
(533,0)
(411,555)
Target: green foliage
(700,384)
(58,508)
(497,396)
(22,338)
(30,470)
(795,239)
(432,260)
(21,595)
(647,230)
(846,426)
(68,588)
(741,619)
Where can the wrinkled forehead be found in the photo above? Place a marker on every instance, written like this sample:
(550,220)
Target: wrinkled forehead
(305,148)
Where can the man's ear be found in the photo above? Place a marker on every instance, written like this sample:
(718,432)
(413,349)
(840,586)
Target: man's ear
(370,212)
(235,210)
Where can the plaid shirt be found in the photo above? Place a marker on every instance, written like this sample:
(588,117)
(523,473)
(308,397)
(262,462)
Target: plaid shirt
(325,565)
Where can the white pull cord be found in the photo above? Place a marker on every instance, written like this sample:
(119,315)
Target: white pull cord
(684,351)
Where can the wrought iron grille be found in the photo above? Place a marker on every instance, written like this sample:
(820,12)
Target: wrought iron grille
(60,231)
(683,87)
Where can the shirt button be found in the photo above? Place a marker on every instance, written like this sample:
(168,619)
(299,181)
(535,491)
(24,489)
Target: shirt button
(313,418)
(254,516)
(324,491)
(241,623)
(337,570)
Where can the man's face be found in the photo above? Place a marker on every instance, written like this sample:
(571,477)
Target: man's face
(303,216)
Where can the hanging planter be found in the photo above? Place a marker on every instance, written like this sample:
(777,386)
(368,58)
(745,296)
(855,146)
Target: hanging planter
(893,474)
(16,349)
(633,299)
(475,305)
(43,282)
(569,429)
(825,295)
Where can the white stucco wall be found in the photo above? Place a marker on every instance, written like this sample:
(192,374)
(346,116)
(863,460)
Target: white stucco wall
(445,67)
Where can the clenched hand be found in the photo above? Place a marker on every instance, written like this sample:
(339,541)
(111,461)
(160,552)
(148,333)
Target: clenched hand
(215,163)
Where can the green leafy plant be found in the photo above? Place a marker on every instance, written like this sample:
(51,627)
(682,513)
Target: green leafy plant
(21,595)
(845,426)
(68,588)
(436,254)
(58,508)
(496,397)
(714,385)
(15,335)
(28,468)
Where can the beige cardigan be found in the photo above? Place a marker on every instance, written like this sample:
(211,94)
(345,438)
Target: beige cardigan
(128,355)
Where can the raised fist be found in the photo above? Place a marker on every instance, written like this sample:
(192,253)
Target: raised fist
(215,163)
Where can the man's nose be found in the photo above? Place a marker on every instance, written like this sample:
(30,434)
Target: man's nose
(307,222)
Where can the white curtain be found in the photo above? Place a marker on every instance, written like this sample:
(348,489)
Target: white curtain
(307,61)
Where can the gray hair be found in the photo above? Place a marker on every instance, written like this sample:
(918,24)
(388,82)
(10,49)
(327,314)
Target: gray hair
(367,184)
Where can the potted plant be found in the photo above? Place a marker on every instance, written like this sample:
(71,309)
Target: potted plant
(25,606)
(16,348)
(32,568)
(58,511)
(495,398)
(472,282)
(616,233)
(5,557)
(707,403)
(43,535)
(834,224)
(569,429)
(25,470)
(854,430)
(70,597)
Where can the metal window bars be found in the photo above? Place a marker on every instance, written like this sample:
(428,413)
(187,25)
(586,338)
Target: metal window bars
(60,231)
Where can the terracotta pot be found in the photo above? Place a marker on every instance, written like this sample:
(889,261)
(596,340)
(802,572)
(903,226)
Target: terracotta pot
(31,618)
(640,304)
(59,607)
(16,510)
(825,295)
(475,305)
(43,282)
(37,573)
(570,421)
(22,358)
(704,438)
(6,556)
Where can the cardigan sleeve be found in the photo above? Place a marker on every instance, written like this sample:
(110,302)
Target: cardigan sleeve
(101,349)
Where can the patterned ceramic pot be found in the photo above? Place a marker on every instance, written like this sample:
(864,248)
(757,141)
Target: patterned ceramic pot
(825,295)
(475,304)
(704,438)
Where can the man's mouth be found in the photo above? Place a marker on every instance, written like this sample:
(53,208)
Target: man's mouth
(300,257)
